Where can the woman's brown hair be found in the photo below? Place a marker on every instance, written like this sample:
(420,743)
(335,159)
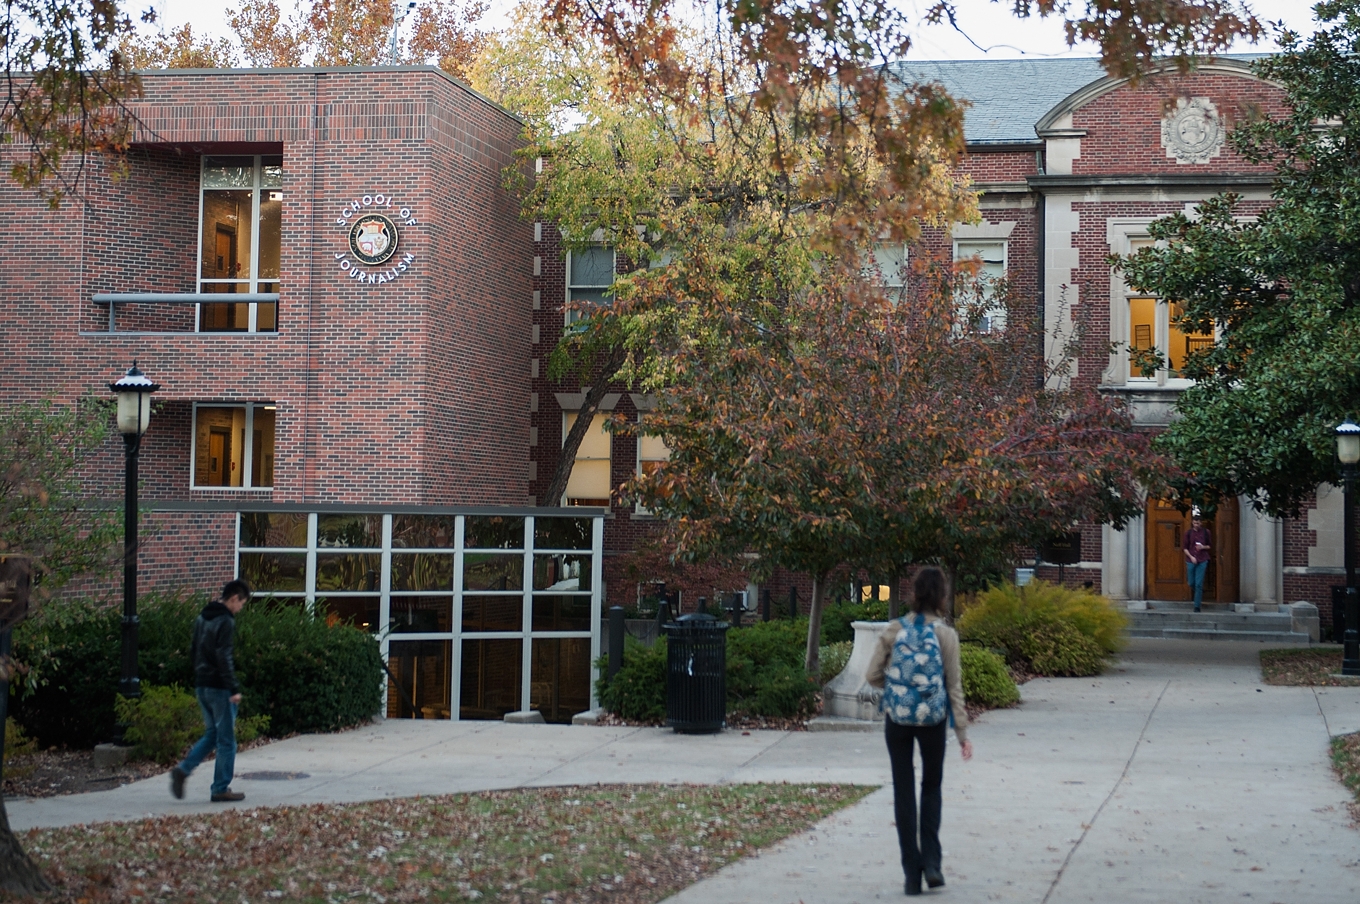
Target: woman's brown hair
(928,591)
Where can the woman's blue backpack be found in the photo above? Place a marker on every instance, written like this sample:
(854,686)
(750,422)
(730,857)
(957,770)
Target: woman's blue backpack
(913,689)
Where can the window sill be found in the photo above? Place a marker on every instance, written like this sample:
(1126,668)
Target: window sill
(119,334)
(1176,385)
(229,490)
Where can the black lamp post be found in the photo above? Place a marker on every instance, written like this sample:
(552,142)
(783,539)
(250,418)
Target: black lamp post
(1348,453)
(134,415)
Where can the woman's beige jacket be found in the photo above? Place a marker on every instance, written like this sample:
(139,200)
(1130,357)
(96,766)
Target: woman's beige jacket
(953,671)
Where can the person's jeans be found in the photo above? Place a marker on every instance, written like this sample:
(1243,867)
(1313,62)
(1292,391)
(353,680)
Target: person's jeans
(1194,576)
(219,718)
(900,740)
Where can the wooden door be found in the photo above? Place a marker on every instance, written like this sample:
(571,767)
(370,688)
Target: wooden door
(219,457)
(1165,562)
(1224,564)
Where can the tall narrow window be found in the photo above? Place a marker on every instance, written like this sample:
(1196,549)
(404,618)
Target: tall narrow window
(990,254)
(233,446)
(590,273)
(241,211)
(652,454)
(589,480)
(1153,330)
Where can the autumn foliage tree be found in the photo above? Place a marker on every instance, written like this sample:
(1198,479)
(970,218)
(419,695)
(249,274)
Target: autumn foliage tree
(443,33)
(847,428)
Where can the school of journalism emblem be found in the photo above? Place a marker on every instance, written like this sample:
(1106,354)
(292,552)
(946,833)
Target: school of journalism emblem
(373,239)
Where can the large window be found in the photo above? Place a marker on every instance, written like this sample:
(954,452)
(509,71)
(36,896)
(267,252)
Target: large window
(590,273)
(241,212)
(589,481)
(990,256)
(1153,332)
(233,446)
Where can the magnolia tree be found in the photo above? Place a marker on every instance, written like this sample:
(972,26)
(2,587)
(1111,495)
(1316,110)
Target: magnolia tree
(1281,289)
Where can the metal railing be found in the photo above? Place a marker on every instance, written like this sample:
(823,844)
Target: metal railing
(114,299)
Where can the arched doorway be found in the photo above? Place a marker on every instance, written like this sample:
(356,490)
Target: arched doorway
(1165,577)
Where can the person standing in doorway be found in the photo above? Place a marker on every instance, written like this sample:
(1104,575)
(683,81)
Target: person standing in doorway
(218,692)
(1195,544)
(917,663)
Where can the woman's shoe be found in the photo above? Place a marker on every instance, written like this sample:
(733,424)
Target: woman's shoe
(913,886)
(934,878)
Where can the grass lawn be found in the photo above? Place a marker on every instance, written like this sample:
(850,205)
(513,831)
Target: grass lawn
(623,843)
(1313,666)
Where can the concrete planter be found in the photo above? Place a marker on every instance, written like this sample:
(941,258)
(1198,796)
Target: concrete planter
(848,695)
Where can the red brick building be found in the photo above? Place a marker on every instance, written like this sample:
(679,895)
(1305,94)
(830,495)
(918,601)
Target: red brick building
(323,271)
(1072,167)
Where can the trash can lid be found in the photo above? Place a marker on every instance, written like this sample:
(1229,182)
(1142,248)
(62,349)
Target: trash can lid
(696,616)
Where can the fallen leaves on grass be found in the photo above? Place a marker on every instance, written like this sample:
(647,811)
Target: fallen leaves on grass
(622,843)
(1346,762)
(1307,667)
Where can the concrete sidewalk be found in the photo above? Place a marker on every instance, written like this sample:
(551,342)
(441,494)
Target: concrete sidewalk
(1177,776)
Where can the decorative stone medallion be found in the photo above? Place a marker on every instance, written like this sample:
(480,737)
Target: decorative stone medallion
(1193,132)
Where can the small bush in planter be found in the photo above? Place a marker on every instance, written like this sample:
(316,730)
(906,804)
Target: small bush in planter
(986,681)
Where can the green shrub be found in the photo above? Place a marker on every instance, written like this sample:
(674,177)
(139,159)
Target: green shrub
(986,681)
(836,619)
(294,669)
(305,675)
(1042,619)
(765,675)
(1059,649)
(165,721)
(638,691)
(833,658)
(18,748)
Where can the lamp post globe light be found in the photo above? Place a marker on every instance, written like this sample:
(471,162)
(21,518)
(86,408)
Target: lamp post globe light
(133,391)
(1348,453)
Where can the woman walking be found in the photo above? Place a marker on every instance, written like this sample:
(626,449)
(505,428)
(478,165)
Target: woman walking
(917,665)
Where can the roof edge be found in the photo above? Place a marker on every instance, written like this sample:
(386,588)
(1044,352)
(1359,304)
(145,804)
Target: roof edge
(336,70)
(1044,128)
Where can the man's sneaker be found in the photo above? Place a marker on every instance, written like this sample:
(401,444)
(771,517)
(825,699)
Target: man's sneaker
(177,777)
(228,795)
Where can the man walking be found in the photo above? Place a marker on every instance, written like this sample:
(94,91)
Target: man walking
(1195,545)
(218,693)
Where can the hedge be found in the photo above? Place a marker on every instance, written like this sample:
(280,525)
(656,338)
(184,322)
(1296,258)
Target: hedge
(302,674)
(1046,629)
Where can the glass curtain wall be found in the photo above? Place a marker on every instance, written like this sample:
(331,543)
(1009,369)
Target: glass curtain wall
(477,615)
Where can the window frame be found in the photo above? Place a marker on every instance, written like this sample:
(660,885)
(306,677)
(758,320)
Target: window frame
(1165,377)
(569,317)
(1005,272)
(247,452)
(253,281)
(639,508)
(567,421)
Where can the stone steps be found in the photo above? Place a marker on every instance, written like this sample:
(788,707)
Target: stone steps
(1216,622)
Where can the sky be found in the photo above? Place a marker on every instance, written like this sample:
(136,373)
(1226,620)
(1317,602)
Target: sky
(989,31)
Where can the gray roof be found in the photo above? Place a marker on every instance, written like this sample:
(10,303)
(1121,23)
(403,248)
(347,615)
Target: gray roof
(1008,96)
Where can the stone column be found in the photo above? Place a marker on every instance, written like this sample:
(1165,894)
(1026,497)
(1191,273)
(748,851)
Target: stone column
(1267,560)
(1114,577)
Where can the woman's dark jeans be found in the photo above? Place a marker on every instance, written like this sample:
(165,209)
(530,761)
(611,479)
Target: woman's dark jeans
(900,740)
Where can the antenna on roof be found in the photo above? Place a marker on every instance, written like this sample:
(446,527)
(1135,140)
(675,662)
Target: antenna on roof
(398,16)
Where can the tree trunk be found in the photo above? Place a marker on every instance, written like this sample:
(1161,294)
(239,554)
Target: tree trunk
(812,662)
(571,444)
(18,873)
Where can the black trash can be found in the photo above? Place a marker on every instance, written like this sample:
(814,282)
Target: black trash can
(696,674)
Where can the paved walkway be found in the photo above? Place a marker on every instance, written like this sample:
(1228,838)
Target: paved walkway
(1175,777)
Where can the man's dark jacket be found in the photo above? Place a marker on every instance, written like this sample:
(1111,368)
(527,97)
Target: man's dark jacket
(211,652)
